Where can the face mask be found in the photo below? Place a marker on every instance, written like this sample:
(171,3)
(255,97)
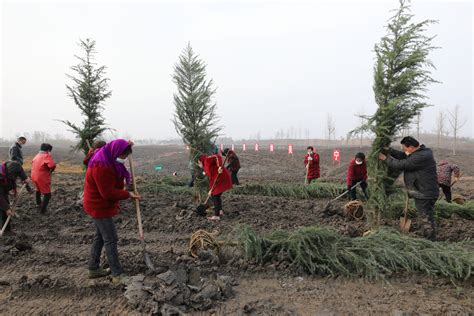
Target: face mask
(359,162)
(120,160)
(310,152)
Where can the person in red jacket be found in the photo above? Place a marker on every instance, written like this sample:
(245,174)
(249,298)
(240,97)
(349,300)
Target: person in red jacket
(357,172)
(233,165)
(219,181)
(311,161)
(104,187)
(95,147)
(41,169)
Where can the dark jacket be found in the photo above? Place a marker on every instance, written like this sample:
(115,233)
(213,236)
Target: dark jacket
(16,153)
(419,172)
(9,172)
(233,161)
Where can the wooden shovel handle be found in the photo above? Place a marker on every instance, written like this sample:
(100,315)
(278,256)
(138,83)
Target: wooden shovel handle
(137,202)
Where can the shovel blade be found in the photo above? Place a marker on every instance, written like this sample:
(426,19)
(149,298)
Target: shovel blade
(148,261)
(405,224)
(201,209)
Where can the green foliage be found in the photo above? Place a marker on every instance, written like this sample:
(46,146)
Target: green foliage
(195,117)
(442,209)
(298,191)
(320,250)
(401,76)
(89,89)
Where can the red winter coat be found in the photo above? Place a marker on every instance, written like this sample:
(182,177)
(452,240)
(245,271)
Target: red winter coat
(102,192)
(41,168)
(211,165)
(356,173)
(314,171)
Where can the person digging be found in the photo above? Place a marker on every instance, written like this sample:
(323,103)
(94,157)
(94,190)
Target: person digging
(357,172)
(42,167)
(446,171)
(104,187)
(419,172)
(219,182)
(9,172)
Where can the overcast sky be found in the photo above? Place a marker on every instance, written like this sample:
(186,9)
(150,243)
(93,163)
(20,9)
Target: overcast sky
(275,64)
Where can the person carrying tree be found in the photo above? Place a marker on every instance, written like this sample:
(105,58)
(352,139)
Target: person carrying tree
(357,172)
(419,171)
(311,162)
(219,181)
(16,151)
(445,173)
(10,171)
(233,165)
(104,187)
(41,169)
(95,147)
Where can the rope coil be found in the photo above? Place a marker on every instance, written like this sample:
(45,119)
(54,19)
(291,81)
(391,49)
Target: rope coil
(355,209)
(202,239)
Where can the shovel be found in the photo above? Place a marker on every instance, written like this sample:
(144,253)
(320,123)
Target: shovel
(201,209)
(146,255)
(405,222)
(340,196)
(12,208)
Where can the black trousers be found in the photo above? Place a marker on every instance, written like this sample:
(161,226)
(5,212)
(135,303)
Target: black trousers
(235,179)
(217,201)
(3,212)
(42,203)
(447,192)
(353,192)
(427,207)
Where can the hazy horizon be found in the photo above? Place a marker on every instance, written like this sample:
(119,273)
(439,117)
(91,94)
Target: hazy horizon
(276,65)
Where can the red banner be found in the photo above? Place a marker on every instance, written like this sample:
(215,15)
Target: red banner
(336,155)
(272,148)
(256,147)
(290,149)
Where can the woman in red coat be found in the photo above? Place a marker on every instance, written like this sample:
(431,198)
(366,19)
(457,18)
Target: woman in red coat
(311,162)
(104,187)
(357,172)
(219,181)
(41,169)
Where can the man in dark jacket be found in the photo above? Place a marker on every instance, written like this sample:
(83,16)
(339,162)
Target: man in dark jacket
(233,164)
(9,172)
(419,167)
(16,153)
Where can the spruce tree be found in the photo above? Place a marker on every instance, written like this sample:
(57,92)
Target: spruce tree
(89,90)
(195,117)
(402,74)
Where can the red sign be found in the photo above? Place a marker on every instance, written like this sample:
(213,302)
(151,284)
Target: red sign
(336,155)
(290,149)
(233,147)
(222,147)
(256,147)
(244,147)
(272,148)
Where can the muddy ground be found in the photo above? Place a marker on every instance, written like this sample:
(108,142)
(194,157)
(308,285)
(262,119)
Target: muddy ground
(44,266)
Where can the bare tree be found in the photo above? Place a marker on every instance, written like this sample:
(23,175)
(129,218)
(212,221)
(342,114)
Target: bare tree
(330,127)
(417,125)
(440,128)
(456,123)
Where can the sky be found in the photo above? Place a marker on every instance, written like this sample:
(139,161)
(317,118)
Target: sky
(275,64)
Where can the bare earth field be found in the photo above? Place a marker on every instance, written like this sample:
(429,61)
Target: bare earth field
(44,266)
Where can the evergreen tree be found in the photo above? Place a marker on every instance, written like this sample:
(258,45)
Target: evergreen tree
(195,117)
(89,89)
(401,75)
